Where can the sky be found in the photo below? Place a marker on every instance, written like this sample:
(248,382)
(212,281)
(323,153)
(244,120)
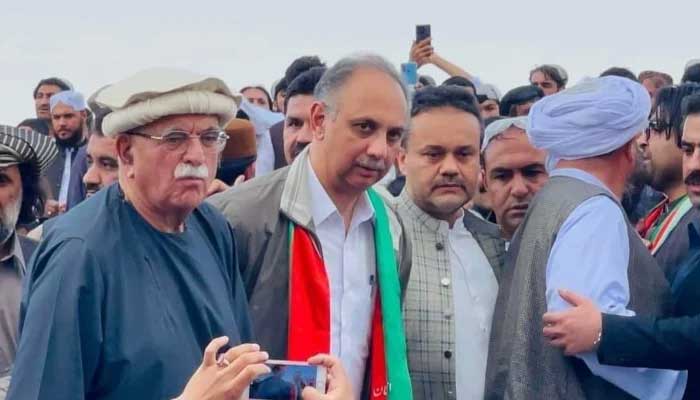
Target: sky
(93,43)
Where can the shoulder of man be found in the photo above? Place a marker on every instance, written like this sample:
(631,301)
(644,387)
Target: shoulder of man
(399,237)
(476,225)
(251,200)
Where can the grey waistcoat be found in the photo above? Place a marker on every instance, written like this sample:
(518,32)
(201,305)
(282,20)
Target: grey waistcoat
(521,364)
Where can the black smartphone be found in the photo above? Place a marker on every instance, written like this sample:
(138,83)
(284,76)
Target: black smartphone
(422,32)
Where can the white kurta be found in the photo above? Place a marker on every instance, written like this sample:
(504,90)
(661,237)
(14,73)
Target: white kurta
(474,288)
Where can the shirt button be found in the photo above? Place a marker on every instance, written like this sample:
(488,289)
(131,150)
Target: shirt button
(448,315)
(439,246)
(448,354)
(445,282)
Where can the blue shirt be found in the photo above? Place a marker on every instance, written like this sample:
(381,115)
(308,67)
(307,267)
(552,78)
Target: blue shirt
(116,309)
(595,237)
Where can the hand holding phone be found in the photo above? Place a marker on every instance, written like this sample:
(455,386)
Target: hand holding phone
(422,33)
(339,387)
(225,374)
(422,48)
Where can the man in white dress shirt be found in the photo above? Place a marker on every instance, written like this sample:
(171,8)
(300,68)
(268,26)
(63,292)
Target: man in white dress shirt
(307,234)
(456,255)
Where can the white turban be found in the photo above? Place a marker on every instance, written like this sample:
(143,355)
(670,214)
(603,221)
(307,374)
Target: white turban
(70,98)
(156,93)
(593,118)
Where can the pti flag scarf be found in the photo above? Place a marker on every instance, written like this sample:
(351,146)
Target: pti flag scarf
(656,231)
(310,316)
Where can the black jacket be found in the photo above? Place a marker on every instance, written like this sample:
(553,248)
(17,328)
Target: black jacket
(672,343)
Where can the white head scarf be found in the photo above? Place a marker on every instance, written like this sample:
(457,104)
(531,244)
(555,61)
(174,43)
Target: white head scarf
(71,98)
(593,118)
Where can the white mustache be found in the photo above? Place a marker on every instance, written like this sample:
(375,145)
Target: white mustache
(184,170)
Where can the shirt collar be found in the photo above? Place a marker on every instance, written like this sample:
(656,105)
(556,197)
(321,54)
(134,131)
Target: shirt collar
(323,206)
(582,176)
(16,252)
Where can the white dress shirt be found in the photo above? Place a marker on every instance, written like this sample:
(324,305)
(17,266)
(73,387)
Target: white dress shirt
(350,265)
(474,289)
(65,177)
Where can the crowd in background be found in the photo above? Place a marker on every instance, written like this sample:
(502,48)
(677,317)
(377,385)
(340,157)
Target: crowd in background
(166,236)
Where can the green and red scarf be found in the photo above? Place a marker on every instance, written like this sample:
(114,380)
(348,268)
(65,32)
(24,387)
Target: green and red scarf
(310,309)
(656,227)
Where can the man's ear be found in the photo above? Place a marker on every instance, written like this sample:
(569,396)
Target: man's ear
(125,150)
(483,184)
(318,117)
(401,160)
(631,150)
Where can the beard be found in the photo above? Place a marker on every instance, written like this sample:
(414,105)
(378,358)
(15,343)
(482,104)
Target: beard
(72,141)
(8,219)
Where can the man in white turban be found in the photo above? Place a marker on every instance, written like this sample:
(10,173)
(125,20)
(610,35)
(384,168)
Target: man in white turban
(575,236)
(128,290)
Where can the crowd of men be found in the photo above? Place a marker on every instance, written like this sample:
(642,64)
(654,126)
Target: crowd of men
(167,236)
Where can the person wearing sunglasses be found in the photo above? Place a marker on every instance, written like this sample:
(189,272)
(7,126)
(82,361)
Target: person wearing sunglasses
(665,227)
(127,290)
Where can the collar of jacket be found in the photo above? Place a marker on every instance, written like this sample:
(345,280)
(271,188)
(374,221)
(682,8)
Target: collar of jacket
(417,214)
(295,203)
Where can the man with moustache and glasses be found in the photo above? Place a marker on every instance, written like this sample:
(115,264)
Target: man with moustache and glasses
(24,154)
(647,341)
(457,257)
(128,290)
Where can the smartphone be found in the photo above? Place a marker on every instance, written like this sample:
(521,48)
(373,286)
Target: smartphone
(286,381)
(409,72)
(422,32)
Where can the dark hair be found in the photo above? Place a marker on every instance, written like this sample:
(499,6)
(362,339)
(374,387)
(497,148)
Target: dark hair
(692,74)
(51,81)
(619,71)
(551,72)
(281,86)
(432,97)
(267,94)
(667,107)
(426,80)
(459,81)
(32,196)
(36,124)
(304,84)
(301,65)
(95,125)
(517,96)
(691,105)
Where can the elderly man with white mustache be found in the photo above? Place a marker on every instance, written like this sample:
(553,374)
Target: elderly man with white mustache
(129,289)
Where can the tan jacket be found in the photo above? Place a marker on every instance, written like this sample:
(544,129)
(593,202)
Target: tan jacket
(259,212)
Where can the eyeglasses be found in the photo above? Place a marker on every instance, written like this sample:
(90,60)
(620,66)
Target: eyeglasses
(212,141)
(656,126)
